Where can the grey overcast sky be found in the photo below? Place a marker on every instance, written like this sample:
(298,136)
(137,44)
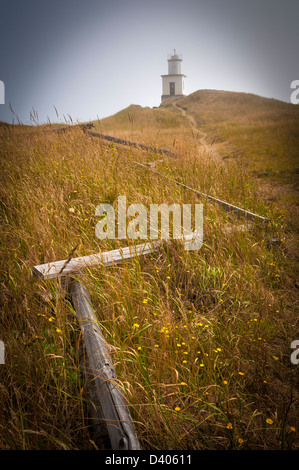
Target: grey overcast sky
(92,58)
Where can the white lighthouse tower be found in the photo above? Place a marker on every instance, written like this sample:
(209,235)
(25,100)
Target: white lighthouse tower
(173,84)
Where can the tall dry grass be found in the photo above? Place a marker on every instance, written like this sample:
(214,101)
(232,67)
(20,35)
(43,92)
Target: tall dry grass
(200,340)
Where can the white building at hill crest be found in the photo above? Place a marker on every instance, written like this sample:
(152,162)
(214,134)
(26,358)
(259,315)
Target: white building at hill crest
(173,84)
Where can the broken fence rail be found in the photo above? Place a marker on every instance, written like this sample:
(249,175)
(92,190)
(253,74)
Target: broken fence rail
(61,268)
(117,140)
(131,144)
(226,206)
(107,258)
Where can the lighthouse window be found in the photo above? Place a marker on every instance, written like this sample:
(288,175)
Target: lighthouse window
(172,88)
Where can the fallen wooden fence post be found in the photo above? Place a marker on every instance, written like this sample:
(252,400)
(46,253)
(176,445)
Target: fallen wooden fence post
(95,413)
(115,412)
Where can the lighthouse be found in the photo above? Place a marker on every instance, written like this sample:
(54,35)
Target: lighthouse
(173,84)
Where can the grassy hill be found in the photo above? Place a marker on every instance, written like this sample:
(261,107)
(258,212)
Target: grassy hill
(261,133)
(151,126)
(201,340)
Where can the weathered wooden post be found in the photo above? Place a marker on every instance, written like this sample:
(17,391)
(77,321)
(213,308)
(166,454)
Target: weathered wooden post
(114,409)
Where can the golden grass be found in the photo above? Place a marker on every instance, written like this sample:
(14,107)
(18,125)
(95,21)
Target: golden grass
(160,127)
(200,340)
(260,133)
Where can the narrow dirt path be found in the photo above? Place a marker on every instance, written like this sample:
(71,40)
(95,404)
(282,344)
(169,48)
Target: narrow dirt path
(196,131)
